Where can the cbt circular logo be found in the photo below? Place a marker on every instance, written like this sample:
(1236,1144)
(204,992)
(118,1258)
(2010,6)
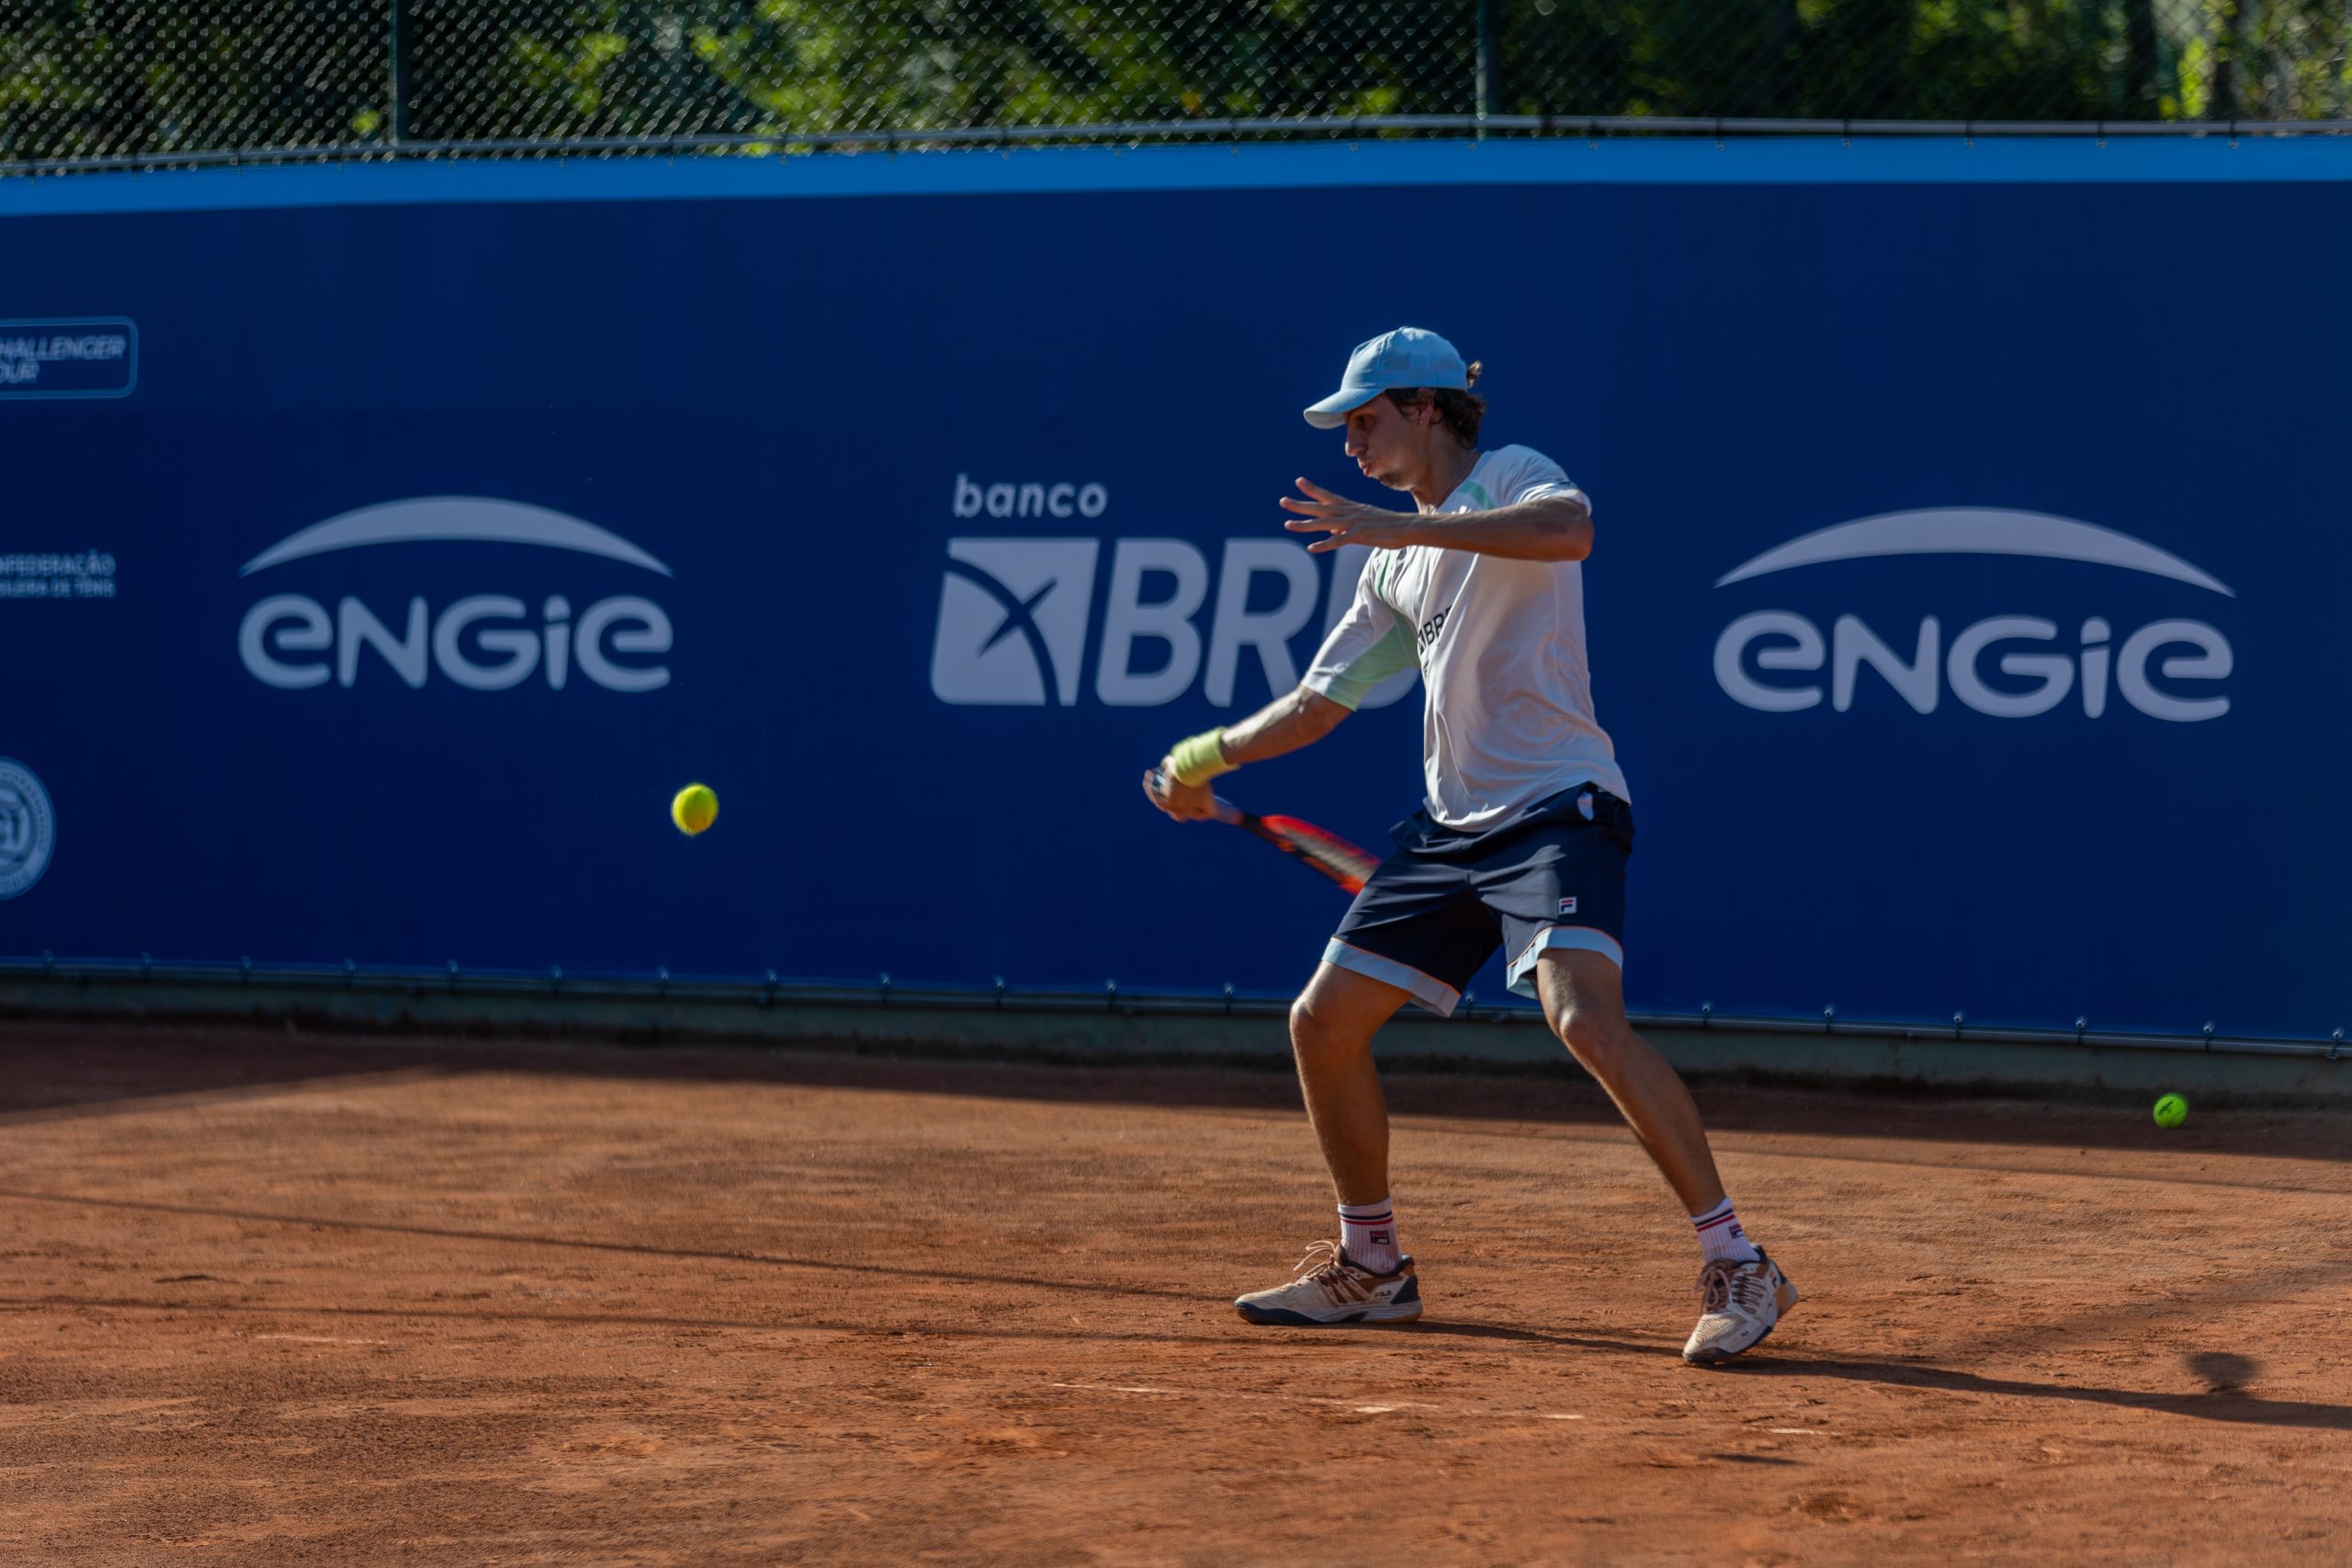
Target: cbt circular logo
(27,828)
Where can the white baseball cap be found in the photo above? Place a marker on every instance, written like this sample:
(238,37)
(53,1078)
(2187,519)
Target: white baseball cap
(1406,357)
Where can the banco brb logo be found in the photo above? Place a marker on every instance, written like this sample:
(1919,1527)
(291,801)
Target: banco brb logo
(1018,620)
(486,642)
(2165,669)
(1012,618)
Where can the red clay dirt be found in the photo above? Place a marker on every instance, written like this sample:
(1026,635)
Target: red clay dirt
(279,1300)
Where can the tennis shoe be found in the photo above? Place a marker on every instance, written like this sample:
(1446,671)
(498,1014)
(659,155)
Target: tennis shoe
(1739,1305)
(1329,1287)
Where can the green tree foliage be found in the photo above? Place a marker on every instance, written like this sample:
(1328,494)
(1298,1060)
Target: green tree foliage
(95,78)
(84,78)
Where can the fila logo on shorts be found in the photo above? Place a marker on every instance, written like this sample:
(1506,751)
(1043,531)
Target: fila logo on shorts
(1567,905)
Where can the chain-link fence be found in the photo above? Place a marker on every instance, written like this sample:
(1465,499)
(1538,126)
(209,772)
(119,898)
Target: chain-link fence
(110,79)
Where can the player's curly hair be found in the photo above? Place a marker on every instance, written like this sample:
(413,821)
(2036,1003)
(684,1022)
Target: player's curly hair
(1460,409)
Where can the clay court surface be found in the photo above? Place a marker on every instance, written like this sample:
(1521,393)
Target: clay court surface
(269,1299)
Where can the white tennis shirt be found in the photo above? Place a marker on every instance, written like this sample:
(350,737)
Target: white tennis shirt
(1506,714)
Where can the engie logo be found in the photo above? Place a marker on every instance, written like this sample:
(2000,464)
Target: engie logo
(486,642)
(1015,614)
(2164,669)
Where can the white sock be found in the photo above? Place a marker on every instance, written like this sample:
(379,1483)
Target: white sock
(1720,1235)
(1368,1235)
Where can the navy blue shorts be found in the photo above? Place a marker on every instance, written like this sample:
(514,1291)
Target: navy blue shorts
(1553,875)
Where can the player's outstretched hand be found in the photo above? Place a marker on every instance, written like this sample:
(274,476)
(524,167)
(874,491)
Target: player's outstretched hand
(1186,803)
(1344,521)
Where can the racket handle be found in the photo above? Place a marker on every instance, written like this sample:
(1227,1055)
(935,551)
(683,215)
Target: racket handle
(1225,810)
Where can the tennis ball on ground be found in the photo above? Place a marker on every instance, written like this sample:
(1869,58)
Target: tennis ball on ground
(2171,1110)
(694,808)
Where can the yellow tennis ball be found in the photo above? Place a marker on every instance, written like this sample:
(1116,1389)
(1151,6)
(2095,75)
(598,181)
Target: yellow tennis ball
(695,810)
(2171,1110)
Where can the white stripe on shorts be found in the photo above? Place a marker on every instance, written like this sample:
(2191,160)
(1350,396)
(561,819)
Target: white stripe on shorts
(1430,992)
(1582,939)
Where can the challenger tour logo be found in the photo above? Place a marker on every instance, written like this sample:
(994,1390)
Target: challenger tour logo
(482,641)
(2169,667)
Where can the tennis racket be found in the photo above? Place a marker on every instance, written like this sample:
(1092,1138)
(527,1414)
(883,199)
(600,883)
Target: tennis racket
(1327,853)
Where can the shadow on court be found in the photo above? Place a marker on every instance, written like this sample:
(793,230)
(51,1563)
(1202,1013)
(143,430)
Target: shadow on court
(2229,1403)
(2217,1401)
(63,1069)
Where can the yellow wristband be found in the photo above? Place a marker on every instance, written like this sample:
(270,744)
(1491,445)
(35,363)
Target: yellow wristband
(1200,757)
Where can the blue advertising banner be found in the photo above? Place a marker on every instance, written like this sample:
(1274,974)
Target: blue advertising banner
(1963,603)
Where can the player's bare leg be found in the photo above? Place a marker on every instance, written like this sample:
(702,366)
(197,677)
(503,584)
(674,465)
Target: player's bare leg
(1365,1278)
(1331,1026)
(1584,1001)
(1742,1291)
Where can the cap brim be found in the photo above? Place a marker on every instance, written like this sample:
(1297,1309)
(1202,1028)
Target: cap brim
(1333,411)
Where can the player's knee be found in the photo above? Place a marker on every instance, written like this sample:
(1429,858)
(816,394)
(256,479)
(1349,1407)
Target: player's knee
(1596,1040)
(1314,1036)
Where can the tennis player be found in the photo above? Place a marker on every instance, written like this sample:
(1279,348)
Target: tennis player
(1521,840)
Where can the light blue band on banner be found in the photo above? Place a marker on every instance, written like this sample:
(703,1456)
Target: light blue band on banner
(1696,160)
